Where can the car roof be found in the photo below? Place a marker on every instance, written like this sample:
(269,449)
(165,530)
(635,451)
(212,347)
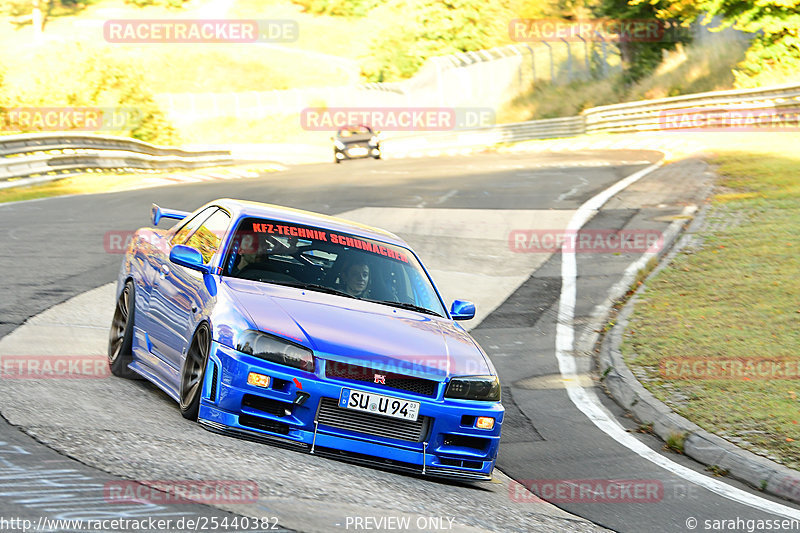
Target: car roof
(356,128)
(246,208)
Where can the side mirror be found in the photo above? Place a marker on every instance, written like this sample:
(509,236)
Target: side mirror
(188,257)
(462,310)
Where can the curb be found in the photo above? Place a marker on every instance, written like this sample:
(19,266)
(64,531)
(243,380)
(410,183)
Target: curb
(168,177)
(36,180)
(702,446)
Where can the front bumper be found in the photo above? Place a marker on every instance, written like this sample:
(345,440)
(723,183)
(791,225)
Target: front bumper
(448,444)
(349,153)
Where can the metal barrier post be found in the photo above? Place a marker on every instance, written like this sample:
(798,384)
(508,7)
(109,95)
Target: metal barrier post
(569,59)
(585,53)
(533,61)
(552,70)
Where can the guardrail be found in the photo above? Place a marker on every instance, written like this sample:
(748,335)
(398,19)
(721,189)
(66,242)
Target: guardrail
(640,116)
(648,115)
(57,153)
(41,154)
(487,135)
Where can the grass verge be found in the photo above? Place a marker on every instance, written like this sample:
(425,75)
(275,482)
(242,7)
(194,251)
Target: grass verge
(100,182)
(733,297)
(705,65)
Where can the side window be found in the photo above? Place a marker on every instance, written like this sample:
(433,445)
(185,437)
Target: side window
(208,237)
(189,226)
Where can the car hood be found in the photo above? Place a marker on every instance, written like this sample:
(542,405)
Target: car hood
(360,138)
(362,333)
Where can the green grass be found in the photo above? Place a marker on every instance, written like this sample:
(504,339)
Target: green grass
(717,471)
(341,36)
(99,182)
(185,69)
(675,442)
(326,53)
(736,297)
(553,101)
(85,184)
(271,129)
(701,67)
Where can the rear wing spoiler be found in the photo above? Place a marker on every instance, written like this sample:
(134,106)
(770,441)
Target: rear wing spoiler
(157,213)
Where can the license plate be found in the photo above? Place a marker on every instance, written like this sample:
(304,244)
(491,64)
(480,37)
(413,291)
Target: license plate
(357,151)
(379,404)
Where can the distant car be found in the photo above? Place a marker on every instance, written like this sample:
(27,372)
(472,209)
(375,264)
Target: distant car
(285,326)
(356,142)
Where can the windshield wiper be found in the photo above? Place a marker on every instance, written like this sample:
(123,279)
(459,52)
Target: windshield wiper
(404,305)
(313,287)
(329,290)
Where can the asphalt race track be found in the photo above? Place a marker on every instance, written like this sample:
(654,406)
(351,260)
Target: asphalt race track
(458,213)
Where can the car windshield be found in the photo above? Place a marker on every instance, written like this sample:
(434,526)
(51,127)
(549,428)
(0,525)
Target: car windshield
(355,130)
(317,259)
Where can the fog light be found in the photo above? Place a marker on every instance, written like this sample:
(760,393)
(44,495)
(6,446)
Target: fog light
(484,422)
(259,380)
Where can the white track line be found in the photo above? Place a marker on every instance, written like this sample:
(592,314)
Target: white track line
(586,400)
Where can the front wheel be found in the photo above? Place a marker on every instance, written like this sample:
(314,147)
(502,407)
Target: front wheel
(194,369)
(120,338)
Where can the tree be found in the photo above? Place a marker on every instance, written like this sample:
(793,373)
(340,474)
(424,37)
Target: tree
(37,12)
(640,57)
(342,8)
(37,19)
(82,77)
(774,53)
(431,28)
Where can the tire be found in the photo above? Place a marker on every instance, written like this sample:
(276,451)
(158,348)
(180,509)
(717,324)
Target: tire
(193,372)
(120,338)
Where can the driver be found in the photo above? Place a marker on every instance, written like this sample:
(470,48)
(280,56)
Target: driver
(250,252)
(356,279)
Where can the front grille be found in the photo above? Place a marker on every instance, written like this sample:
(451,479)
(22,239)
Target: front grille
(422,387)
(330,414)
(262,423)
(266,405)
(464,441)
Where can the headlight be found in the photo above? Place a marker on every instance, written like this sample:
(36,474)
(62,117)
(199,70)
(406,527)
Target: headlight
(373,141)
(339,145)
(276,350)
(485,388)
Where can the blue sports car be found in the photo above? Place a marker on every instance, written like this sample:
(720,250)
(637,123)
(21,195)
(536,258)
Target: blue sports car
(291,327)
